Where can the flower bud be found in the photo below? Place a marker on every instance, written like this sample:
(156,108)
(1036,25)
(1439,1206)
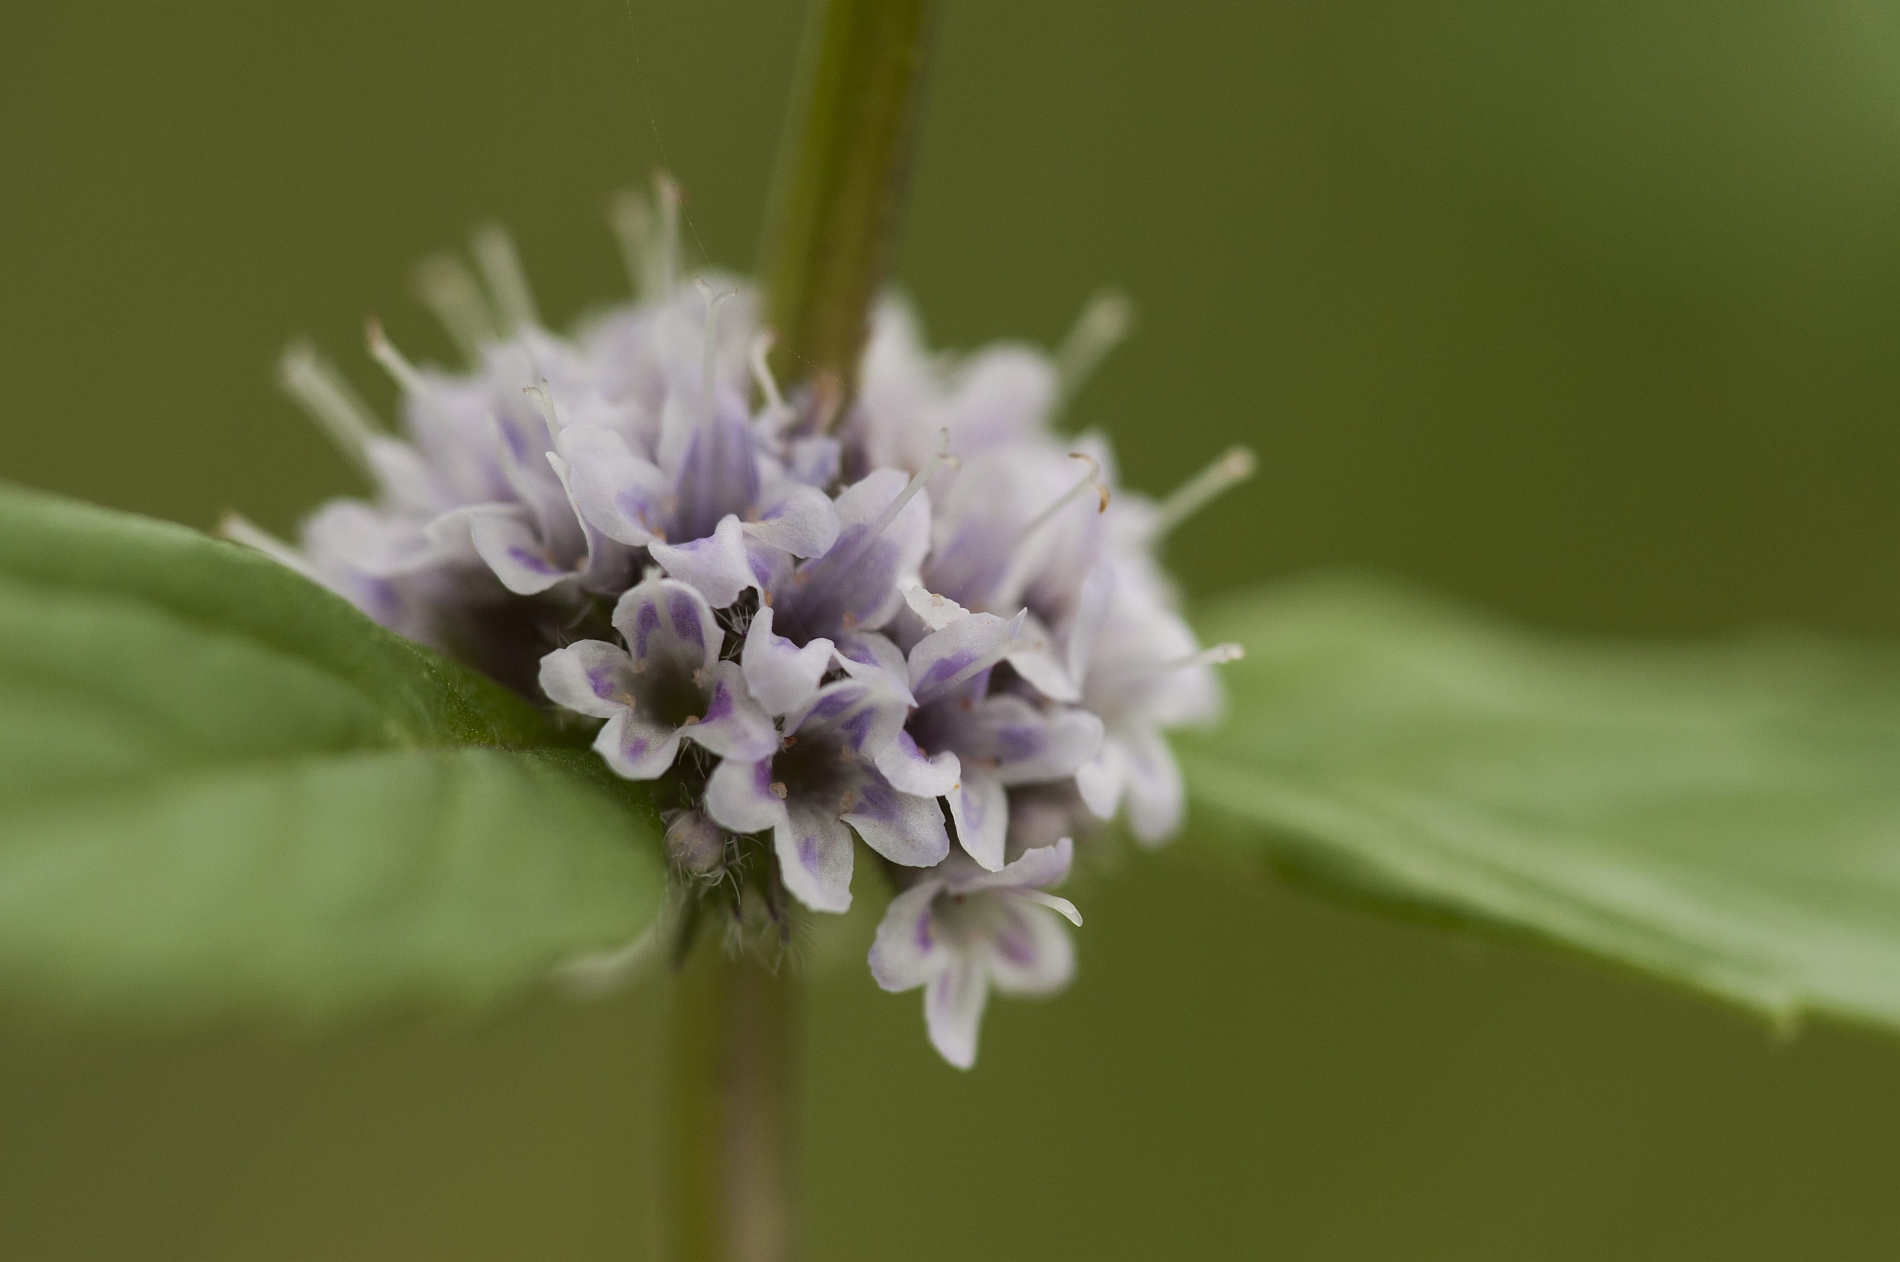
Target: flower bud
(695,844)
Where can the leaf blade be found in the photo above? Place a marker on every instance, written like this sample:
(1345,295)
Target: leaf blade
(1724,817)
(222,788)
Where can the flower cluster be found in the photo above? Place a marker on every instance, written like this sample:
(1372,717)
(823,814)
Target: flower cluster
(919,615)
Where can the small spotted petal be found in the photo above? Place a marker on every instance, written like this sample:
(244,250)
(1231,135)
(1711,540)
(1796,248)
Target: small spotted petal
(953,1010)
(814,858)
(716,565)
(637,747)
(589,677)
(909,951)
(782,675)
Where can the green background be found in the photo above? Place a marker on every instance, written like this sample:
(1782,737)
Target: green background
(1587,313)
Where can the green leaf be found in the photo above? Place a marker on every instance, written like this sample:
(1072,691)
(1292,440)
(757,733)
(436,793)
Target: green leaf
(1725,816)
(222,786)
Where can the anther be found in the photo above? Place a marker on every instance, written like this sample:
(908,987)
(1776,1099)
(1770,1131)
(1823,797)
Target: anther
(328,398)
(1104,322)
(449,290)
(507,284)
(543,396)
(1234,466)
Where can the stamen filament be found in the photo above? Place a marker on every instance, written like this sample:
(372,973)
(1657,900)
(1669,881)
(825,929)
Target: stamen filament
(501,267)
(449,290)
(632,221)
(712,345)
(668,193)
(1234,466)
(1218,655)
(394,362)
(762,374)
(1104,322)
(1093,478)
(240,529)
(942,460)
(329,400)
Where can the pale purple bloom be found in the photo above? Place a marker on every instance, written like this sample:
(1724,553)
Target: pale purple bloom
(821,780)
(828,609)
(959,931)
(705,493)
(666,686)
(970,745)
(928,617)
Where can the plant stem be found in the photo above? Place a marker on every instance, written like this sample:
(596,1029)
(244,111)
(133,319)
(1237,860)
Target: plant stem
(726,1165)
(840,183)
(730,1076)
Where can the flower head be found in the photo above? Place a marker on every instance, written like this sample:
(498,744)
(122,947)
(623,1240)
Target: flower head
(917,616)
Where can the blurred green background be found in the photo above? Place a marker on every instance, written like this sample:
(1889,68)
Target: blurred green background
(1588,313)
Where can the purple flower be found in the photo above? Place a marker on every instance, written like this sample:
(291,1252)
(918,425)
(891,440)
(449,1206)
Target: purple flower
(705,493)
(961,930)
(969,745)
(827,610)
(822,779)
(668,685)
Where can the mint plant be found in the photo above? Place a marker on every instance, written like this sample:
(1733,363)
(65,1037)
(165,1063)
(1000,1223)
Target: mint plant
(645,627)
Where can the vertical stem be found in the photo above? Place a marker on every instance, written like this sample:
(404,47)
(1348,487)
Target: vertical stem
(840,183)
(726,1167)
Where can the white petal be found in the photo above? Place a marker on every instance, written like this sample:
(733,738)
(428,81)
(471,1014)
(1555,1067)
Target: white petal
(735,725)
(910,770)
(1155,796)
(937,612)
(1041,665)
(797,518)
(1028,951)
(739,796)
(782,675)
(953,1010)
(668,625)
(612,489)
(1085,624)
(588,677)
(513,550)
(377,543)
(908,951)
(636,747)
(871,657)
(814,859)
(942,656)
(1102,778)
(1028,745)
(716,565)
(903,828)
(1045,865)
(980,808)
